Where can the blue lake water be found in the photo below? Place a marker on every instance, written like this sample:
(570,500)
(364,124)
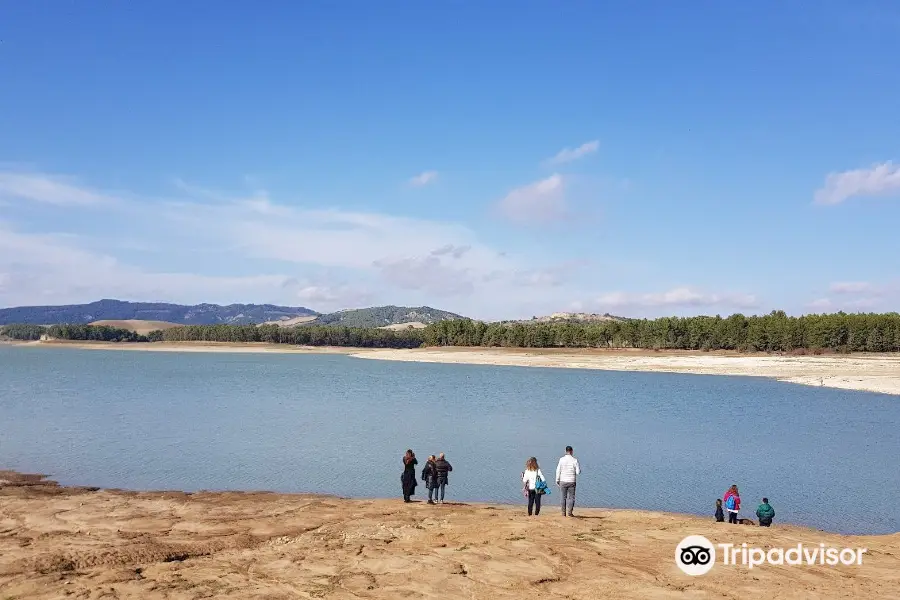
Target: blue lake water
(335,424)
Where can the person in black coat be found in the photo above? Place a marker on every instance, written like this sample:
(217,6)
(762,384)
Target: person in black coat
(442,468)
(408,479)
(429,476)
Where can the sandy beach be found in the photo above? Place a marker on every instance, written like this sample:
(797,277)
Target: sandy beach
(864,372)
(874,373)
(85,543)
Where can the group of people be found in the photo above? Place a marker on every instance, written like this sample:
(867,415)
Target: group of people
(732,503)
(535,485)
(435,474)
(436,471)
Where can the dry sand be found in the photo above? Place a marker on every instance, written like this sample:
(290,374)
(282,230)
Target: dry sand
(875,373)
(82,543)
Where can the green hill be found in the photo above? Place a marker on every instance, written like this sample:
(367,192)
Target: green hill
(382,316)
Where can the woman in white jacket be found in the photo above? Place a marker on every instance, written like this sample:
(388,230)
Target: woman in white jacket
(530,478)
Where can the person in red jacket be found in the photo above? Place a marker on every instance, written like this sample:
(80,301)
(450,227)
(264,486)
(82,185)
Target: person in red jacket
(732,501)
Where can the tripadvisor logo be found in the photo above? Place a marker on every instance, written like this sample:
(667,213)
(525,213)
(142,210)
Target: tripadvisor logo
(696,555)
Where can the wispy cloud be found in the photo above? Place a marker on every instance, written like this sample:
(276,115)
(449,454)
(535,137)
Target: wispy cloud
(567,155)
(344,296)
(861,295)
(821,304)
(49,189)
(851,287)
(423,178)
(450,249)
(676,297)
(537,202)
(211,246)
(879,180)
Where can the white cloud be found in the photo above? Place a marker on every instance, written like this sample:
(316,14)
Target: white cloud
(334,297)
(676,297)
(428,274)
(537,202)
(569,154)
(53,269)
(423,178)
(319,257)
(821,305)
(861,296)
(208,246)
(49,189)
(879,180)
(851,287)
(450,249)
(864,303)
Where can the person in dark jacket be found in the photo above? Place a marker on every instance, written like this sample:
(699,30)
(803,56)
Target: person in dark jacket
(408,479)
(720,514)
(429,476)
(766,513)
(442,467)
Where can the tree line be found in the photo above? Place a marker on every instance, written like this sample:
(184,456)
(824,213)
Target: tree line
(300,335)
(775,332)
(92,333)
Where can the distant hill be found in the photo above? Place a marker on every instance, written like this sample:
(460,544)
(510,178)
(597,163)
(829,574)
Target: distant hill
(179,314)
(383,316)
(137,326)
(290,322)
(568,317)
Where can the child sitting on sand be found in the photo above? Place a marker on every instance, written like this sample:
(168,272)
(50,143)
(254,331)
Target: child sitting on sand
(720,514)
(766,513)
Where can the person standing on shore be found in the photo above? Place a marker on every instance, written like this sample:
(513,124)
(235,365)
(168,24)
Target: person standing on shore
(429,476)
(567,472)
(732,500)
(535,483)
(408,479)
(442,468)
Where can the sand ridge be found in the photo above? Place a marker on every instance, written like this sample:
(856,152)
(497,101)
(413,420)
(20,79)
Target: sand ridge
(85,543)
(876,373)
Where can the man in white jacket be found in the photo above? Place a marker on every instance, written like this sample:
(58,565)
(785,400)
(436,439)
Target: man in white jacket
(567,472)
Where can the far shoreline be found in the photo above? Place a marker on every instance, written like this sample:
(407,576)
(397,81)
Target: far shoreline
(879,373)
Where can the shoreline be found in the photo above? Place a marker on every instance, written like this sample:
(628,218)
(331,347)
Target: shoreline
(879,373)
(78,541)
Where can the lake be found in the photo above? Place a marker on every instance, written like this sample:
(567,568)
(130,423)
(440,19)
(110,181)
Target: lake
(335,424)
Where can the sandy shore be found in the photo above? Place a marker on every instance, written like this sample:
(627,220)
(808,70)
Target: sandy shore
(875,373)
(82,543)
(866,372)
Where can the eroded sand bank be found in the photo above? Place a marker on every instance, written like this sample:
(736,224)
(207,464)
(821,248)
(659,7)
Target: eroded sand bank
(67,542)
(875,373)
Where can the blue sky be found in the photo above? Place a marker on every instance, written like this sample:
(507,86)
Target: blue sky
(496,159)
